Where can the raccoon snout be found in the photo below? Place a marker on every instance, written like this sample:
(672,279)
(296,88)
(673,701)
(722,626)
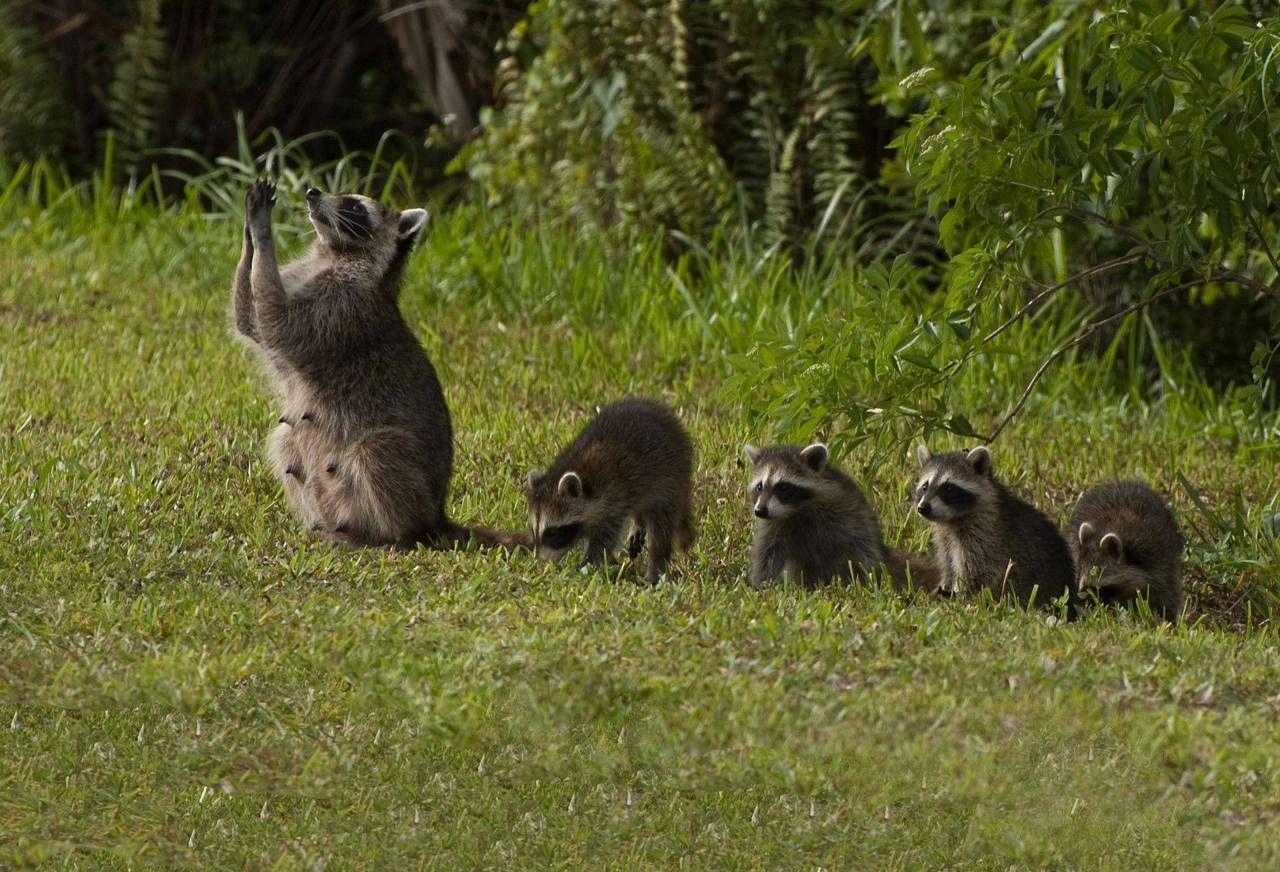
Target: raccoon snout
(313,194)
(762,510)
(925,509)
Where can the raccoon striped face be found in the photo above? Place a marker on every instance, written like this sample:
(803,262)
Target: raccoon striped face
(1102,562)
(558,513)
(951,485)
(783,478)
(353,221)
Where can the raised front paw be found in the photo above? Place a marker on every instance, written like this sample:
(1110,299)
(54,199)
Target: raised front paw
(260,199)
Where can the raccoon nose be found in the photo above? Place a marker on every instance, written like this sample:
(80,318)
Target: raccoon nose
(925,509)
(313,193)
(762,511)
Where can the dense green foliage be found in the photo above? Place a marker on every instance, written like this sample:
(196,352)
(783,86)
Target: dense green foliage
(32,110)
(1090,162)
(682,115)
(157,75)
(1136,145)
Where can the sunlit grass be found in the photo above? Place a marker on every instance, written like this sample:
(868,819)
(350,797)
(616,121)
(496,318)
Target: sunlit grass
(188,678)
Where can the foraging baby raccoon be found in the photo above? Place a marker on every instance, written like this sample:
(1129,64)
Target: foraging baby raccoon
(985,537)
(1128,547)
(812,521)
(632,462)
(365,445)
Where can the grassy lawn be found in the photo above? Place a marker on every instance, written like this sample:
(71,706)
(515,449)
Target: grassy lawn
(188,678)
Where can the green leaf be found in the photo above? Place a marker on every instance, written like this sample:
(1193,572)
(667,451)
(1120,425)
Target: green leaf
(918,360)
(960,425)
(1140,59)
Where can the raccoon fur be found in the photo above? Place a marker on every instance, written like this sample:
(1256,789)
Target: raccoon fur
(365,445)
(984,536)
(633,463)
(812,522)
(1127,547)
(911,572)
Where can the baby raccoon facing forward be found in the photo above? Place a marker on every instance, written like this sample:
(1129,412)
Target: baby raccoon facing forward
(1128,547)
(984,536)
(812,521)
(365,445)
(632,462)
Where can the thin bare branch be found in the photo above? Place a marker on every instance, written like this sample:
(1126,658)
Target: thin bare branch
(1089,332)
(1262,240)
(1105,266)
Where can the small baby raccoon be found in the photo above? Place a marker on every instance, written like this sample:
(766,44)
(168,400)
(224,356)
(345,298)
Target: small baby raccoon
(1127,547)
(632,462)
(812,521)
(985,537)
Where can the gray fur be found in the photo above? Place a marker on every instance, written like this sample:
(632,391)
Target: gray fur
(830,532)
(991,540)
(632,465)
(1127,547)
(365,445)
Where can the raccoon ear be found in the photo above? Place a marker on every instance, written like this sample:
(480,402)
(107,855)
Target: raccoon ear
(1111,545)
(753,453)
(980,459)
(535,476)
(411,223)
(922,454)
(815,456)
(570,485)
(1086,532)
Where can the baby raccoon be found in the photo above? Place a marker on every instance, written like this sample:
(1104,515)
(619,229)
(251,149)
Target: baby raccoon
(632,462)
(812,521)
(365,445)
(985,537)
(1127,547)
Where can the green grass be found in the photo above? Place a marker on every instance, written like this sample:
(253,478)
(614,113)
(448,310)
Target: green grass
(187,678)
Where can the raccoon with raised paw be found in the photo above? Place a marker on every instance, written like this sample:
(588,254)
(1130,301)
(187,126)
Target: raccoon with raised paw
(812,522)
(632,464)
(1128,547)
(984,536)
(365,445)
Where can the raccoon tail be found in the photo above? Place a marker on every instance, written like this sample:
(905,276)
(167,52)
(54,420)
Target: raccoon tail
(911,571)
(460,538)
(686,533)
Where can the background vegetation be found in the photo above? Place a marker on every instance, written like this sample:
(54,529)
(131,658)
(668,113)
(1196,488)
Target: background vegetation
(1050,224)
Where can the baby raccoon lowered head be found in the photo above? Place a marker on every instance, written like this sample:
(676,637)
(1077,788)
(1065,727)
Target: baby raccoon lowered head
(632,463)
(1128,547)
(365,445)
(812,521)
(984,536)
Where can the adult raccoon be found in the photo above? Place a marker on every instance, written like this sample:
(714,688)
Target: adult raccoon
(365,445)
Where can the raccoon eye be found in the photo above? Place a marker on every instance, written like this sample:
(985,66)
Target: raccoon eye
(787,492)
(560,537)
(759,486)
(924,486)
(955,496)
